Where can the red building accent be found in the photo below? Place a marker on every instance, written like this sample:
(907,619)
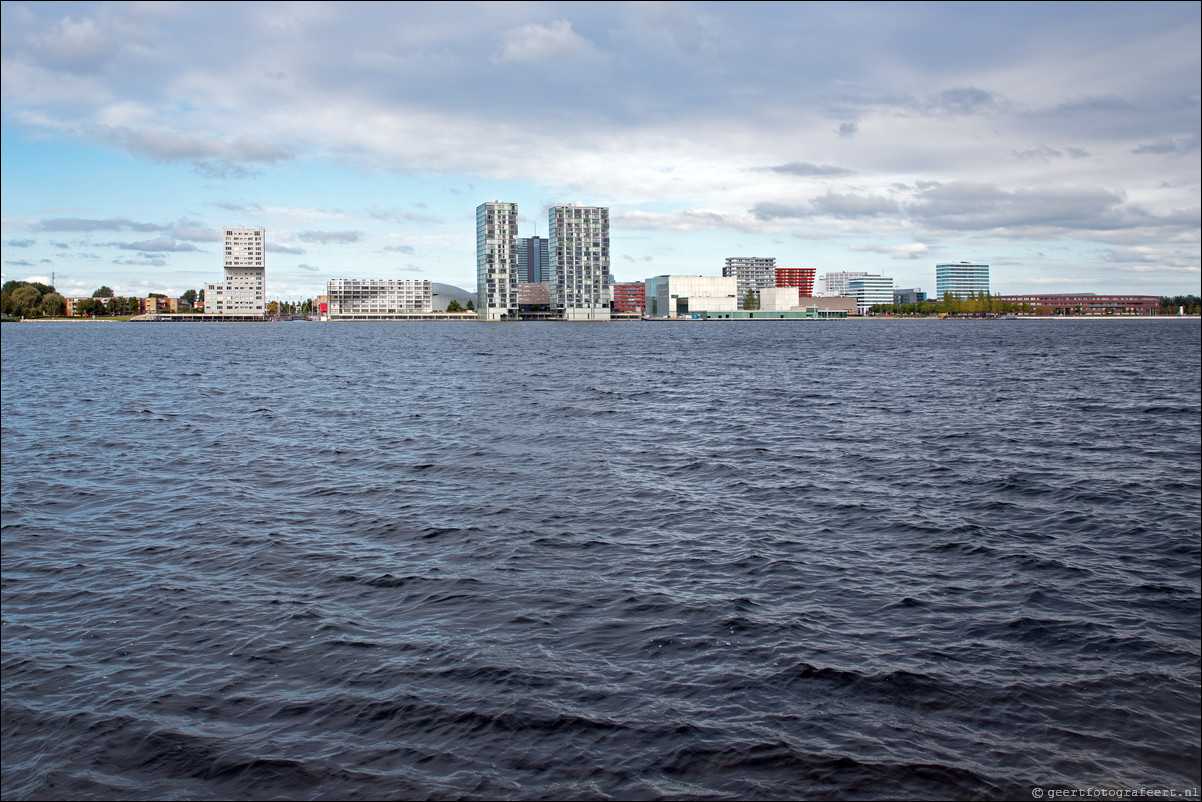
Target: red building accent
(631,297)
(800,277)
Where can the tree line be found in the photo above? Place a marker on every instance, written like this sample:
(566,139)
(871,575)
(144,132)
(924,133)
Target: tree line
(1190,304)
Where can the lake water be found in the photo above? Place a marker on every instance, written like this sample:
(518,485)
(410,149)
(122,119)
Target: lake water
(832,560)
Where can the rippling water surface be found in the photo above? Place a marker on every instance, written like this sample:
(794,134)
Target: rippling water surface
(844,560)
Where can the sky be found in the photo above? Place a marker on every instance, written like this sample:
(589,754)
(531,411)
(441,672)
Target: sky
(1059,143)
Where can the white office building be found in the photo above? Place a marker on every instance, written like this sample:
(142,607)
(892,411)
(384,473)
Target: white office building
(241,291)
(751,273)
(683,296)
(870,290)
(377,299)
(579,259)
(834,284)
(497,261)
(961,279)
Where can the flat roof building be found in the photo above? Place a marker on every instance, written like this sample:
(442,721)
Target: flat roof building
(686,296)
(800,277)
(579,259)
(497,261)
(870,290)
(838,283)
(751,274)
(241,292)
(377,299)
(961,279)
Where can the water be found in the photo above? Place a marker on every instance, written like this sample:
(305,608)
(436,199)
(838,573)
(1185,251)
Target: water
(844,560)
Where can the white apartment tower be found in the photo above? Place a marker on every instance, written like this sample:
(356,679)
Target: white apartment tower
(241,292)
(497,261)
(579,257)
(751,273)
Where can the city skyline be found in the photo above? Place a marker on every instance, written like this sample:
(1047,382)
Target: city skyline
(1056,143)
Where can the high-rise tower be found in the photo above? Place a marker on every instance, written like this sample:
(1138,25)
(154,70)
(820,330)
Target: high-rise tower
(579,255)
(497,261)
(751,273)
(241,292)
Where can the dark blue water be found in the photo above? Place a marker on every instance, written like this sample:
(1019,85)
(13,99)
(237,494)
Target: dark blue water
(844,560)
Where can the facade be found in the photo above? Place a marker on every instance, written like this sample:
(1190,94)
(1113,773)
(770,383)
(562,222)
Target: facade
(911,296)
(751,273)
(800,277)
(688,296)
(534,260)
(377,299)
(835,284)
(579,258)
(242,291)
(961,279)
(630,297)
(497,261)
(1087,303)
(870,290)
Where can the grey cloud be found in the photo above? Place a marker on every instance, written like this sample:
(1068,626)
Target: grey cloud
(837,205)
(279,247)
(966,206)
(326,237)
(773,211)
(21,263)
(400,248)
(964,100)
(151,262)
(1045,154)
(214,156)
(310,268)
(1182,145)
(63,245)
(808,169)
(847,130)
(159,244)
(83,224)
(73,46)
(21,243)
(195,232)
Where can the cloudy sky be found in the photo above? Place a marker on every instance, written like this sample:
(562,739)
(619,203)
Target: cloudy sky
(1057,142)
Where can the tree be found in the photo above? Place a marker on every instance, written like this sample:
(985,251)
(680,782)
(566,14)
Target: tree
(6,303)
(471,307)
(454,306)
(273,307)
(751,301)
(54,305)
(27,301)
(103,292)
(189,296)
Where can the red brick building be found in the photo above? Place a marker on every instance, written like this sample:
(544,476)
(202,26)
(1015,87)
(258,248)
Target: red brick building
(1086,303)
(630,297)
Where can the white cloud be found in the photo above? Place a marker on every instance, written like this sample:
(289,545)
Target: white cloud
(535,43)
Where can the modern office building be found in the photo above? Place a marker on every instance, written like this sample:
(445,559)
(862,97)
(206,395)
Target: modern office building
(579,257)
(834,284)
(870,290)
(800,277)
(497,261)
(534,260)
(961,279)
(751,273)
(240,294)
(686,296)
(910,296)
(377,299)
(630,296)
